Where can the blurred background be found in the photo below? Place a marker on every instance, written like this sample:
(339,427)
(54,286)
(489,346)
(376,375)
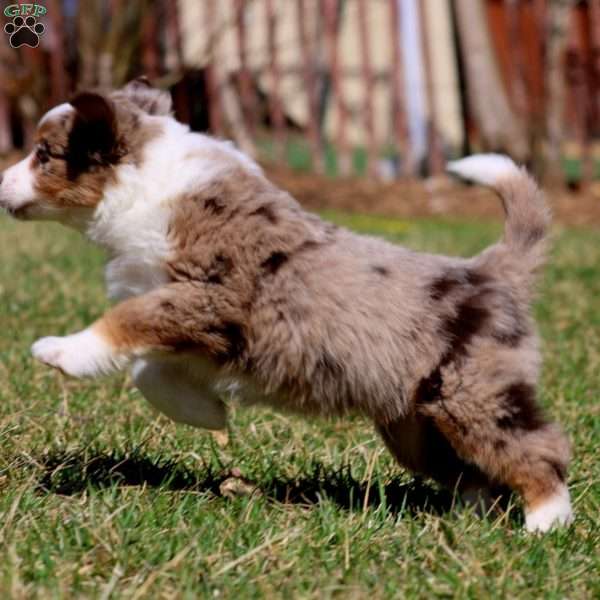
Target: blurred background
(383,90)
(353,106)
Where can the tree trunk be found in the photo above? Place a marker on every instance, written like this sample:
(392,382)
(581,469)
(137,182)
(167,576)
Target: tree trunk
(58,65)
(332,11)
(559,12)
(213,90)
(401,134)
(276,114)
(223,98)
(435,154)
(368,83)
(5,137)
(310,84)
(594,7)
(246,86)
(89,40)
(499,128)
(151,59)
(520,98)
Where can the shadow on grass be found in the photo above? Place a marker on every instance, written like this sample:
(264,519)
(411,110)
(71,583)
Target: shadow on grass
(70,473)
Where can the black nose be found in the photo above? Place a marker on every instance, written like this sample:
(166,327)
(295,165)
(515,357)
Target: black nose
(1,178)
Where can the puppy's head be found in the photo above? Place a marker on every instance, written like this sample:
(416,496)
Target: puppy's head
(78,147)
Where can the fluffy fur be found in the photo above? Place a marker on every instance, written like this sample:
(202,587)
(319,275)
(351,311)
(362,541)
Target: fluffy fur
(223,280)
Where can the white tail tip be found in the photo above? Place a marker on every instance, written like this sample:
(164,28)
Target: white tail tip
(486,169)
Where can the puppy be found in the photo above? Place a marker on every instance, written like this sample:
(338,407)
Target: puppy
(221,280)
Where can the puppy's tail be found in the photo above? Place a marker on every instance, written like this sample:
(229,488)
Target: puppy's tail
(527,214)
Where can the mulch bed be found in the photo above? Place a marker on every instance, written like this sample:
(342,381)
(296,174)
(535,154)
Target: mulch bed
(435,197)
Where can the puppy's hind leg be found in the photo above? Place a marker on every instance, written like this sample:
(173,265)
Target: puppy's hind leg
(418,445)
(181,394)
(503,433)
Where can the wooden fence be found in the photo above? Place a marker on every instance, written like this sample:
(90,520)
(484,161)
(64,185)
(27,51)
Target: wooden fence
(384,88)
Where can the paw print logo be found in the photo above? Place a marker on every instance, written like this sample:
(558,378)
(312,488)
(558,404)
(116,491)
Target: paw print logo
(24,32)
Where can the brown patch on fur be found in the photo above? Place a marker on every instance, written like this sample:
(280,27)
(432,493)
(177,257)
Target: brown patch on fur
(442,286)
(511,340)
(220,268)
(226,205)
(380,270)
(475,278)
(470,318)
(214,205)
(267,212)
(234,342)
(521,410)
(459,330)
(274,262)
(480,309)
(560,469)
(500,445)
(455,279)
(430,387)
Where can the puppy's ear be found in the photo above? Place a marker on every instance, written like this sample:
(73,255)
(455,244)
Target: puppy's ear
(141,81)
(93,136)
(150,99)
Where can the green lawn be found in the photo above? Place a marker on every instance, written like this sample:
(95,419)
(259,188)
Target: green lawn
(101,497)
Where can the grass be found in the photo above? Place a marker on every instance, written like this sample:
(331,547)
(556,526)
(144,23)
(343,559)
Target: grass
(100,497)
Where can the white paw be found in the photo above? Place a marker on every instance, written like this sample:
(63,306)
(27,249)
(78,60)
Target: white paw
(556,510)
(83,354)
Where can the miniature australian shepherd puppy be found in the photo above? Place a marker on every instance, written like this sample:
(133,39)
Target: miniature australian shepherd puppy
(221,279)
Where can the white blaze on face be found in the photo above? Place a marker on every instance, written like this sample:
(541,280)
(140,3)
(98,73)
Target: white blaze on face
(16,188)
(17,193)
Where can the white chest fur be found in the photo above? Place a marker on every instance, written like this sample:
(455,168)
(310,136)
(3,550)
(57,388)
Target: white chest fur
(132,221)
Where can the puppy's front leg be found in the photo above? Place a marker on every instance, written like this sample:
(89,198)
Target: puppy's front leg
(178,316)
(83,354)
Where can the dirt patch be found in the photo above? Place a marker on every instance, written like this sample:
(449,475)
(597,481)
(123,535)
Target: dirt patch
(440,196)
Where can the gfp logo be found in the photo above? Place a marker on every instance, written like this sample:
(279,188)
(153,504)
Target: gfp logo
(24,29)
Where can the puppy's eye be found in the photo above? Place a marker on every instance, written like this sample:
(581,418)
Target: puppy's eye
(42,154)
